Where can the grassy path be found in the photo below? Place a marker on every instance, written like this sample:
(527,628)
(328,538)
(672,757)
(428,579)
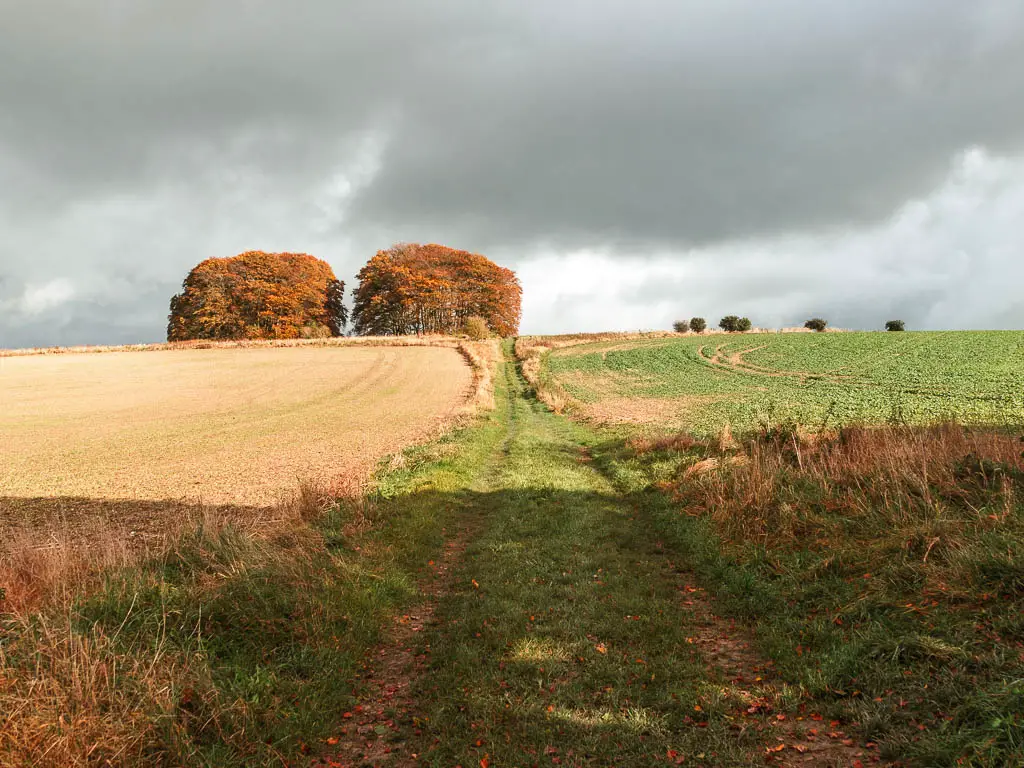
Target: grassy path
(563,637)
(557,630)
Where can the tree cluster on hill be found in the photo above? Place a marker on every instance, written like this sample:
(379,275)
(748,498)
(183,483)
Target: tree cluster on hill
(735,324)
(816,324)
(413,288)
(258,295)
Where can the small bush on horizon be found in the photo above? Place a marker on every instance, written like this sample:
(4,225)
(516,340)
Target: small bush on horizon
(744,325)
(698,324)
(476,328)
(681,326)
(895,325)
(816,324)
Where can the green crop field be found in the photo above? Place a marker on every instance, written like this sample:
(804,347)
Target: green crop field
(818,380)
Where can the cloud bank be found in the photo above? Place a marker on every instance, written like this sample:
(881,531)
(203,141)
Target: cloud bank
(635,161)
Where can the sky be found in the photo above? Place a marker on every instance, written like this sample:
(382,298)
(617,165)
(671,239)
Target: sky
(635,161)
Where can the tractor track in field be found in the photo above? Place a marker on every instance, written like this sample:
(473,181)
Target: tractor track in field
(735,362)
(381,729)
(376,731)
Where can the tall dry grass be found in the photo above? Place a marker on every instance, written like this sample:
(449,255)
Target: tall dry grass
(483,358)
(934,488)
(530,353)
(85,696)
(73,699)
(70,697)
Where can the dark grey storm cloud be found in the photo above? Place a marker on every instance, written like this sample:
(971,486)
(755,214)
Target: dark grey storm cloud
(772,153)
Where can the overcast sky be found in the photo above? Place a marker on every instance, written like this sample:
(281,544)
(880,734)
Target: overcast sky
(635,161)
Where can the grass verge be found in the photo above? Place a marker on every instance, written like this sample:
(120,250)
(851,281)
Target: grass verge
(882,570)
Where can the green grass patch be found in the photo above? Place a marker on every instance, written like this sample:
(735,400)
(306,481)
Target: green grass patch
(819,380)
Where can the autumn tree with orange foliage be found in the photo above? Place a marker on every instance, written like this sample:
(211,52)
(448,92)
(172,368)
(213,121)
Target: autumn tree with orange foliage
(412,288)
(258,295)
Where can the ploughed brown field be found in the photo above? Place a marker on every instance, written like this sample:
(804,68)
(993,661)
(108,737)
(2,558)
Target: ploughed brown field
(239,427)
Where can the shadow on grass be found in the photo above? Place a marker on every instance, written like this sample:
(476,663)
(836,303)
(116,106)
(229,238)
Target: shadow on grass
(250,649)
(76,517)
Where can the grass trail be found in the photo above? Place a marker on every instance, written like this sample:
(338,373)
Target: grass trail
(563,637)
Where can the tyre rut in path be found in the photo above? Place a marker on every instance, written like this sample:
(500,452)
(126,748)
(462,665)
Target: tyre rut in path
(376,731)
(373,732)
(791,738)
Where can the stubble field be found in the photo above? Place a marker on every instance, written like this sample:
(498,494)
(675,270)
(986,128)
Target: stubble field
(238,427)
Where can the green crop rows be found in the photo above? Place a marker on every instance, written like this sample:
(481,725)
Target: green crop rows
(818,380)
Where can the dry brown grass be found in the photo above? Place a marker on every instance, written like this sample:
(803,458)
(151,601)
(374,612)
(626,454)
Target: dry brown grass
(665,412)
(921,482)
(90,699)
(427,340)
(76,710)
(87,698)
(483,358)
(530,351)
(679,442)
(68,544)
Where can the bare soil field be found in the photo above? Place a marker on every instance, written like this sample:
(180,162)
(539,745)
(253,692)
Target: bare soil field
(229,426)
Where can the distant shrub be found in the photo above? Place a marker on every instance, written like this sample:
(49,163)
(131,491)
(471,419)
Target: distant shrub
(895,325)
(729,323)
(681,326)
(698,324)
(816,324)
(476,328)
(744,325)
